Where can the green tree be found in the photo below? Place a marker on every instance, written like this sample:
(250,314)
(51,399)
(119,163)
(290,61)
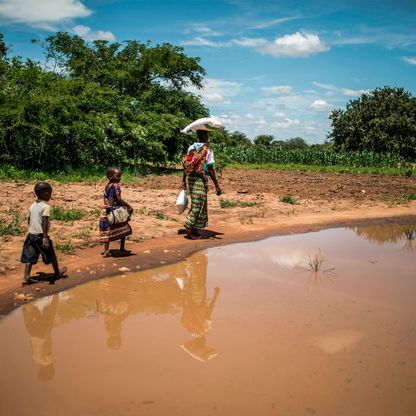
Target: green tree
(296,143)
(264,140)
(102,103)
(224,137)
(383,121)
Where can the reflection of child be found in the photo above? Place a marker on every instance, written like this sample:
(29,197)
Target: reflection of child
(37,241)
(39,323)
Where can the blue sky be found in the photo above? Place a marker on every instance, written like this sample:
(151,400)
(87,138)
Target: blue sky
(273,67)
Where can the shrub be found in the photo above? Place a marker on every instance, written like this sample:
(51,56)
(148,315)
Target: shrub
(62,214)
(288,199)
(65,247)
(11,227)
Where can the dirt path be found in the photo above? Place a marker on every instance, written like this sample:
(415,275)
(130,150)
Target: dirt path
(323,200)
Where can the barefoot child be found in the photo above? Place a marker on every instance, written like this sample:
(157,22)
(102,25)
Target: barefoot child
(112,196)
(37,241)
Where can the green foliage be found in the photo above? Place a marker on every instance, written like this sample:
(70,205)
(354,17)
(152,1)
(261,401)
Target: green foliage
(264,140)
(262,155)
(65,247)
(229,203)
(288,199)
(222,136)
(319,168)
(10,226)
(62,214)
(404,199)
(160,215)
(104,104)
(382,121)
(295,143)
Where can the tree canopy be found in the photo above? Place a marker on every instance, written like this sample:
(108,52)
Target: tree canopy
(383,121)
(96,103)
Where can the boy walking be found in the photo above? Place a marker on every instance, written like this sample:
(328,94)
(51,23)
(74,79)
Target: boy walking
(37,241)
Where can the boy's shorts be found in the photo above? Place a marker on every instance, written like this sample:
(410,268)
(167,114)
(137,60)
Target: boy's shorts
(32,248)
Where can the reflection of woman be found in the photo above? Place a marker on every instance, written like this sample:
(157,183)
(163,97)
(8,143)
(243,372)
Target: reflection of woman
(197,311)
(198,164)
(39,323)
(115,308)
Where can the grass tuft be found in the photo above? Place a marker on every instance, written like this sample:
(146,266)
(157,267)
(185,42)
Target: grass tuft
(160,215)
(314,262)
(65,247)
(409,233)
(62,214)
(288,199)
(230,203)
(11,227)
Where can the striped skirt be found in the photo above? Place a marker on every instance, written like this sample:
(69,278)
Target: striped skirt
(198,214)
(114,232)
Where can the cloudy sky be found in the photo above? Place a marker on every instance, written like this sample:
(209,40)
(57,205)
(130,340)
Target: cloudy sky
(273,67)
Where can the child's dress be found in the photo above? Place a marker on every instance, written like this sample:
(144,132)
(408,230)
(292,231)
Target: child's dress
(116,231)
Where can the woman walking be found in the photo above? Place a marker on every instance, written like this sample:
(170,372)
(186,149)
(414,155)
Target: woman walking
(198,164)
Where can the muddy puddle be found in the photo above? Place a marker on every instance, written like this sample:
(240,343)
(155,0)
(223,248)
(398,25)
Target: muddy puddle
(245,329)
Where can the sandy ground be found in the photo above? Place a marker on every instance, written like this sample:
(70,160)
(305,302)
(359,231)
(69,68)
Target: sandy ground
(323,200)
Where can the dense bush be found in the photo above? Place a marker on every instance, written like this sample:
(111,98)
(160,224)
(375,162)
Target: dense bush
(101,104)
(382,121)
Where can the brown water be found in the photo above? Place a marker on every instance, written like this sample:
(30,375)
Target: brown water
(238,330)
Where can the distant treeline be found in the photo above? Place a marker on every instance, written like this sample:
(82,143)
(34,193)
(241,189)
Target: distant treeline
(101,103)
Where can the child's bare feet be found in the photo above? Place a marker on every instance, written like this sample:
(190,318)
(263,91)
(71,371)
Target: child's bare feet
(28,281)
(61,273)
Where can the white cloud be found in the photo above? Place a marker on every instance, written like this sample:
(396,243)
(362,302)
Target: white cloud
(410,60)
(277,124)
(294,46)
(277,90)
(86,33)
(273,22)
(216,91)
(249,42)
(201,41)
(44,13)
(244,42)
(320,105)
(285,123)
(280,114)
(347,92)
(353,93)
(202,29)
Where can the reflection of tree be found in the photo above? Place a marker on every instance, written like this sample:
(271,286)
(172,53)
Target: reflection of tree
(149,293)
(196,309)
(389,233)
(380,234)
(39,324)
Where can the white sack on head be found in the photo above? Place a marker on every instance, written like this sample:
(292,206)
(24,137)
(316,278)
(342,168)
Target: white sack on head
(206,123)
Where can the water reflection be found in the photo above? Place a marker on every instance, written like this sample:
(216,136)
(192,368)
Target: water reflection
(179,289)
(39,320)
(392,233)
(196,308)
(114,306)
